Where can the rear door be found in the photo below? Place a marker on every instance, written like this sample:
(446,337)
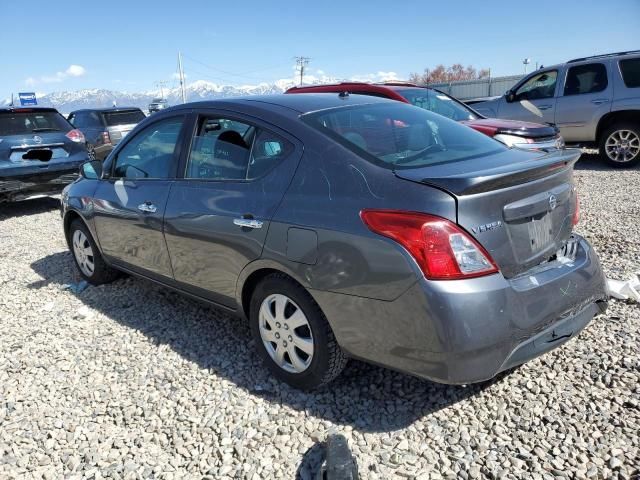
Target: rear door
(218,215)
(539,90)
(129,205)
(586,97)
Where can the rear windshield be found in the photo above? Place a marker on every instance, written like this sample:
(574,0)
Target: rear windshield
(439,103)
(631,72)
(24,123)
(124,117)
(397,136)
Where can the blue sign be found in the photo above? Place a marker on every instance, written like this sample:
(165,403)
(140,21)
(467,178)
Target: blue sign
(27,98)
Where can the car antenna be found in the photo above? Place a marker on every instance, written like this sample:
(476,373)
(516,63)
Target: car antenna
(344,94)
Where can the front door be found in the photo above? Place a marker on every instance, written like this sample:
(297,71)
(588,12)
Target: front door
(129,204)
(534,100)
(218,215)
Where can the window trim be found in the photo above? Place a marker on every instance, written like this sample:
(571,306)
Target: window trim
(233,116)
(177,153)
(566,77)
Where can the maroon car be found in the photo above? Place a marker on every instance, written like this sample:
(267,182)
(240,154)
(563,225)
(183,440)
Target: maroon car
(511,132)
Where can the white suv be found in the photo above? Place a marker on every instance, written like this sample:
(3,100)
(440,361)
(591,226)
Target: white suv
(595,101)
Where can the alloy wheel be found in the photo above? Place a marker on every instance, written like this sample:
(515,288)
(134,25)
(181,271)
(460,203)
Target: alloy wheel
(622,146)
(83,252)
(286,333)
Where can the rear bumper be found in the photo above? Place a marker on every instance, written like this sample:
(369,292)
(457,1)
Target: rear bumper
(27,184)
(468,331)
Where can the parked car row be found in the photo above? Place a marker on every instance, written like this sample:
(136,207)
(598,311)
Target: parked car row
(594,101)
(385,222)
(343,225)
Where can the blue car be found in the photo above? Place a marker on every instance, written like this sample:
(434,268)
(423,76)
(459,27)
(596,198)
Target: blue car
(40,153)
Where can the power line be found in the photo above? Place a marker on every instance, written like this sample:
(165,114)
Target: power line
(301,63)
(232,74)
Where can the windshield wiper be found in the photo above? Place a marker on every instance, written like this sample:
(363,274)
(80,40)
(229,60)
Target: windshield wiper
(45,129)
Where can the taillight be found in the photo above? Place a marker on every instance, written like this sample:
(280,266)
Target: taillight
(75,136)
(576,212)
(105,137)
(442,249)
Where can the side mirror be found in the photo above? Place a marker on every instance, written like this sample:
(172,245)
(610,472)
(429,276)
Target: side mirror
(91,170)
(510,96)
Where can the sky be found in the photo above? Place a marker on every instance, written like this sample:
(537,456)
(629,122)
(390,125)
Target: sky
(130,46)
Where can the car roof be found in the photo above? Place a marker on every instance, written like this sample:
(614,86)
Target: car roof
(297,103)
(108,109)
(27,109)
(361,85)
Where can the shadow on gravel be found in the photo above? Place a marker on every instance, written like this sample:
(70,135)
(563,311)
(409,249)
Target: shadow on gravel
(369,398)
(593,162)
(28,207)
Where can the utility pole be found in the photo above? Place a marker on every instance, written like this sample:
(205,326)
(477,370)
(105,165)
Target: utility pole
(301,63)
(184,96)
(161,84)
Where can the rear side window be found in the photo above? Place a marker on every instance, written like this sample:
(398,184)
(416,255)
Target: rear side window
(630,70)
(590,78)
(126,117)
(225,149)
(25,123)
(401,136)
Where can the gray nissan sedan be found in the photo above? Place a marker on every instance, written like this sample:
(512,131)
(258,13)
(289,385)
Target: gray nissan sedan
(346,226)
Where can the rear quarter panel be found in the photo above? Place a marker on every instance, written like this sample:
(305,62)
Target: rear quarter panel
(331,186)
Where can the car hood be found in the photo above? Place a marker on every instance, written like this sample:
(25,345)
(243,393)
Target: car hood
(495,126)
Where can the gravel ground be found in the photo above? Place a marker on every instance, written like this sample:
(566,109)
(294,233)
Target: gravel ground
(130,380)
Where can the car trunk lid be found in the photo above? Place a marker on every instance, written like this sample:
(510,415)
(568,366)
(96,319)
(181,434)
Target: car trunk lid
(518,205)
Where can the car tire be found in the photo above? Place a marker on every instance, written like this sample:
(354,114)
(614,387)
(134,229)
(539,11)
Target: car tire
(621,135)
(282,308)
(87,256)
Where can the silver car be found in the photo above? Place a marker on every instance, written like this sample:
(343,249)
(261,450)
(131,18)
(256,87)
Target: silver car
(346,226)
(595,101)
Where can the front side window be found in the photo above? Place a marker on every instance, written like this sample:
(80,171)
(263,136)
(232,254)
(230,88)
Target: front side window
(630,70)
(590,78)
(151,153)
(439,103)
(226,149)
(397,136)
(541,85)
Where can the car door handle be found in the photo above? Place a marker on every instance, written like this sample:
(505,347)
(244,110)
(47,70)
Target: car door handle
(544,107)
(247,222)
(147,207)
(599,101)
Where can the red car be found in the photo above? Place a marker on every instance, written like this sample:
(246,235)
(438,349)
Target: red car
(511,132)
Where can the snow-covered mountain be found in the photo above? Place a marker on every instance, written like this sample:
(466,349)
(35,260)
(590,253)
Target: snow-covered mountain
(68,101)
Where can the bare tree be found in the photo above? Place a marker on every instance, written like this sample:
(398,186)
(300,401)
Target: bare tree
(454,73)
